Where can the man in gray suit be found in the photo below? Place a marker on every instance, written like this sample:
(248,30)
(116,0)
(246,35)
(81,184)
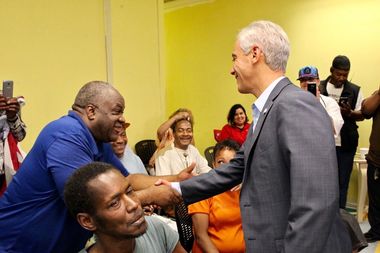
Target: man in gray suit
(287,165)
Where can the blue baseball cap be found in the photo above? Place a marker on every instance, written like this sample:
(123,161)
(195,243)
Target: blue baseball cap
(308,72)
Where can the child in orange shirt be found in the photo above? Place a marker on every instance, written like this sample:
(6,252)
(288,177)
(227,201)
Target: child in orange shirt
(217,220)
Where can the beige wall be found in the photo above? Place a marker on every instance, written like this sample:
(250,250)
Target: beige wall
(137,61)
(51,48)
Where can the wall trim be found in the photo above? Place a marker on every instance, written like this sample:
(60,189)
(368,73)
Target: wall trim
(172,5)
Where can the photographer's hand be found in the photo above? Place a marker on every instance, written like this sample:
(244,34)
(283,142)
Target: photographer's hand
(3,103)
(345,109)
(13,107)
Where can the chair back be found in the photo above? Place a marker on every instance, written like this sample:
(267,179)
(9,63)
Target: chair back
(217,135)
(209,155)
(184,226)
(145,149)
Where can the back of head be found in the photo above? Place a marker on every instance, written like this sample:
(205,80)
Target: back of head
(92,92)
(225,144)
(341,62)
(271,39)
(77,195)
(231,113)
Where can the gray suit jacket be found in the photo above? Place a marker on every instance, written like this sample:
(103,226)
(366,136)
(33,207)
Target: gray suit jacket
(288,167)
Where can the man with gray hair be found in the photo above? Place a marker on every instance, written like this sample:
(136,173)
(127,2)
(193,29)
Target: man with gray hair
(289,195)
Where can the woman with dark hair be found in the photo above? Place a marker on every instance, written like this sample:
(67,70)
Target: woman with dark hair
(237,127)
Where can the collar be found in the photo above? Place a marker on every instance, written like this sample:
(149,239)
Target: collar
(262,99)
(95,146)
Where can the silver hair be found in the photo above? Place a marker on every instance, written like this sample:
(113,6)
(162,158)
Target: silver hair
(270,38)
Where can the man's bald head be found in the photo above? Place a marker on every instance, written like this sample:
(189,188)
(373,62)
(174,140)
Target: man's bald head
(93,92)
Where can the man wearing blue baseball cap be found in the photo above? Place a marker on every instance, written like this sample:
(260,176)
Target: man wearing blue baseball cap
(309,80)
(349,97)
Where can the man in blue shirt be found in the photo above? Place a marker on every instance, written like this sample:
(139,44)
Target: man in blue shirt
(33,216)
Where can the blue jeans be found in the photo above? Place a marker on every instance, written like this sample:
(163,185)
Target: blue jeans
(345,163)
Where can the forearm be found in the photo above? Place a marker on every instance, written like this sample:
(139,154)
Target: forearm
(141,181)
(179,249)
(145,197)
(18,128)
(356,115)
(159,195)
(204,242)
(167,124)
(370,104)
(164,127)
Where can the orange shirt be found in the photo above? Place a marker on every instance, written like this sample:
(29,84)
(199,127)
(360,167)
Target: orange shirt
(225,229)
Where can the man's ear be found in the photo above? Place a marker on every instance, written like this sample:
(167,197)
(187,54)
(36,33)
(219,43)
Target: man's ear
(86,221)
(256,53)
(331,69)
(90,112)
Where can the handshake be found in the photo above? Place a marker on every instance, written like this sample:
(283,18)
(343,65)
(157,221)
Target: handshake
(162,193)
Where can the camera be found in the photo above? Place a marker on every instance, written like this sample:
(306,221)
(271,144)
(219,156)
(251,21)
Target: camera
(8,89)
(343,100)
(312,87)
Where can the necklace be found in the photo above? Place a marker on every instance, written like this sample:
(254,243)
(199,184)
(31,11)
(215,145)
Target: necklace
(183,154)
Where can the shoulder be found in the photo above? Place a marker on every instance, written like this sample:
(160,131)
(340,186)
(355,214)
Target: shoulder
(192,148)
(293,94)
(202,206)
(166,151)
(66,125)
(324,82)
(226,127)
(294,102)
(353,86)
(157,228)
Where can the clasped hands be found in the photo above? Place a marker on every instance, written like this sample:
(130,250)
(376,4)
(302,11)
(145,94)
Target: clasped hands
(162,194)
(10,106)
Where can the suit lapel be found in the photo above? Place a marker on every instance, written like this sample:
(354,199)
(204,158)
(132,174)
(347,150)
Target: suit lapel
(253,135)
